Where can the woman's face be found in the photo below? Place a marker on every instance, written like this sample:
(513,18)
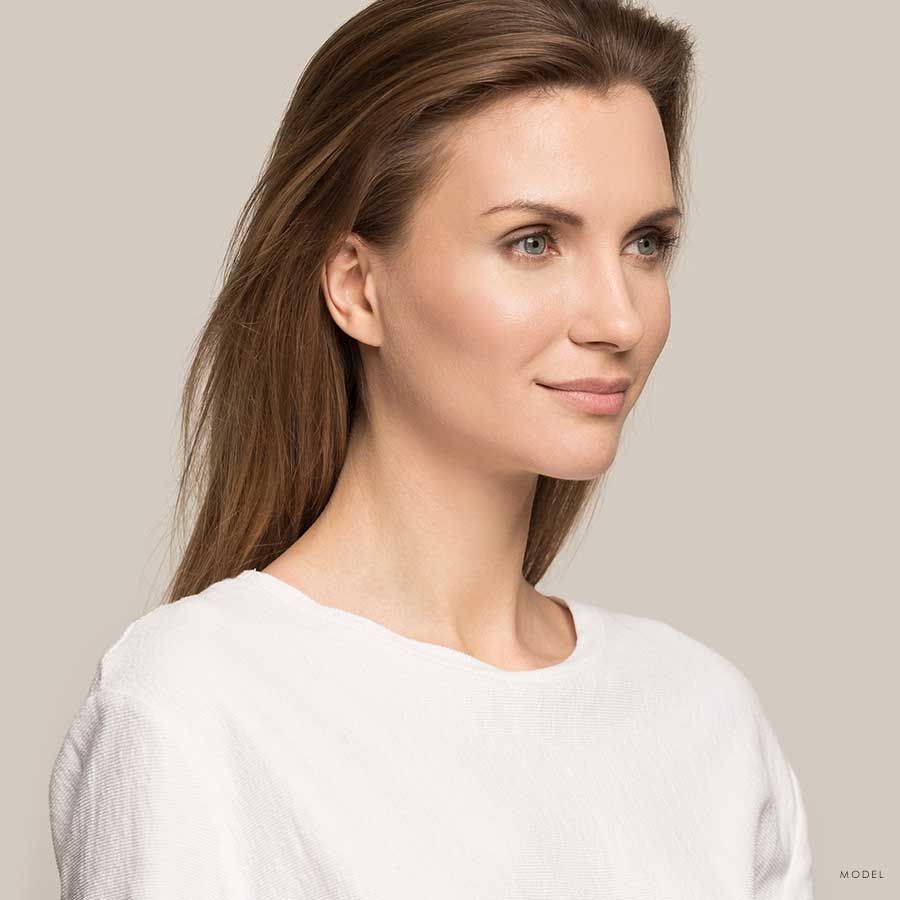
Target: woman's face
(482,309)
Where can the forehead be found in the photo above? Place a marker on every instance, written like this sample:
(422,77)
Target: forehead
(602,155)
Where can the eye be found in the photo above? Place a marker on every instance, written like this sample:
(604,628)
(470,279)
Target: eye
(535,242)
(663,239)
(659,244)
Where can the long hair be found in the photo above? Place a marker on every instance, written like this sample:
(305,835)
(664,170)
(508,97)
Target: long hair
(274,385)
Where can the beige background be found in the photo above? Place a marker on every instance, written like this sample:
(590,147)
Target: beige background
(753,503)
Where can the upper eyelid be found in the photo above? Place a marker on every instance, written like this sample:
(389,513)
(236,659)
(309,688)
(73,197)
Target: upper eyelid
(528,230)
(663,231)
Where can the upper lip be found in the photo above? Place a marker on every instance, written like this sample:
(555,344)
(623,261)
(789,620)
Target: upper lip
(592,385)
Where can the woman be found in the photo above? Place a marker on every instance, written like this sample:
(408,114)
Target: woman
(355,689)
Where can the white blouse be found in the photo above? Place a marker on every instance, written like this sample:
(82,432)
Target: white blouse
(250,743)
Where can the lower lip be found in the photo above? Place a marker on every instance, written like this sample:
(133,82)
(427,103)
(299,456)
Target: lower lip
(608,404)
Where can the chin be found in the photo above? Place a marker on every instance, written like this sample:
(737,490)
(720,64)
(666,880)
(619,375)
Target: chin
(573,474)
(569,465)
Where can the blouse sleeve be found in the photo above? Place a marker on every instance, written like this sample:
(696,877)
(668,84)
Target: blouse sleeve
(133,814)
(783,868)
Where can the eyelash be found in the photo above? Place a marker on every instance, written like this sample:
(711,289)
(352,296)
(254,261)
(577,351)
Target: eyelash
(666,239)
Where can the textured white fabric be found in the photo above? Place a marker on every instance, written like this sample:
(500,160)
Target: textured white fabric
(250,743)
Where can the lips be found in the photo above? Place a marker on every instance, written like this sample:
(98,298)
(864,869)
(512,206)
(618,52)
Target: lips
(597,402)
(608,385)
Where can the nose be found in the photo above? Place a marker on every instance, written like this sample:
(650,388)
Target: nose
(607,312)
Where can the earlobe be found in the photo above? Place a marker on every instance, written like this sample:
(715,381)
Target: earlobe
(348,290)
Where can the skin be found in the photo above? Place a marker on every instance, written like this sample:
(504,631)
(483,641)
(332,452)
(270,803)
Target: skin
(432,506)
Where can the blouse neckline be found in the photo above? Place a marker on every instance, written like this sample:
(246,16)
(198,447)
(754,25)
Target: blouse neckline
(587,619)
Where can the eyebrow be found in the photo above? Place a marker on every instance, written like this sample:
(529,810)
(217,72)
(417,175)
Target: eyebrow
(565,217)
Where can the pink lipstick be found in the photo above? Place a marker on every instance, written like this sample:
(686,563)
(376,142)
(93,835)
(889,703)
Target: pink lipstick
(593,395)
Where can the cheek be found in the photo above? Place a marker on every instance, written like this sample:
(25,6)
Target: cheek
(467,317)
(656,313)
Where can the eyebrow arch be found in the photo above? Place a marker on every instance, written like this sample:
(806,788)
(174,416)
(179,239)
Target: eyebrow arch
(555,214)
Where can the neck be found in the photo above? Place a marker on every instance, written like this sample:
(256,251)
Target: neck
(432,546)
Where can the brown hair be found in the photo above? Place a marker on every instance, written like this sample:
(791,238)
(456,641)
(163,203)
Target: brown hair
(274,384)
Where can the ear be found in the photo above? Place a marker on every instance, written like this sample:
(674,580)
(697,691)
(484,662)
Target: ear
(348,286)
